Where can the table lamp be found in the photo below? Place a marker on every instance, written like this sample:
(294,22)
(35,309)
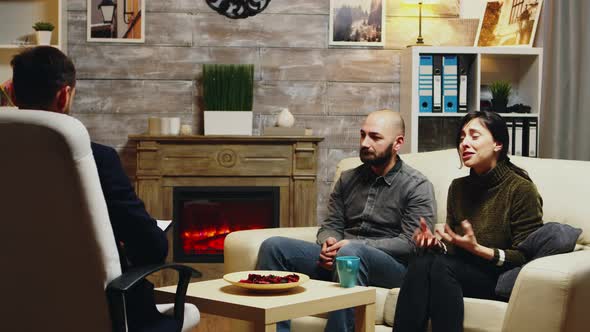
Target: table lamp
(419,40)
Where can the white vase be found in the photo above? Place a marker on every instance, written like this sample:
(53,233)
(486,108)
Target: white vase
(285,119)
(43,37)
(228,122)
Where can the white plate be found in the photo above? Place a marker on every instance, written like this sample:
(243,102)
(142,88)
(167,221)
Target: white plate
(235,277)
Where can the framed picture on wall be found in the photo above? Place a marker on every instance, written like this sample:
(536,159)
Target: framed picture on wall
(120,21)
(508,23)
(357,22)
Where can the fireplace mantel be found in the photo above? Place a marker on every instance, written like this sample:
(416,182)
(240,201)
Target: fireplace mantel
(289,163)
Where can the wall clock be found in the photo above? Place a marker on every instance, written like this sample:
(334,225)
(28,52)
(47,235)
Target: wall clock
(238,8)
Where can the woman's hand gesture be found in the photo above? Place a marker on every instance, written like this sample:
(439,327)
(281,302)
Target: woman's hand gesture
(423,237)
(467,241)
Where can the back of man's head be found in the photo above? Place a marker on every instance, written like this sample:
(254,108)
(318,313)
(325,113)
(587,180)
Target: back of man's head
(38,74)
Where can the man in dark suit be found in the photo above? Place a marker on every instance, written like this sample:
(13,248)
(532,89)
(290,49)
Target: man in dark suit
(45,79)
(142,240)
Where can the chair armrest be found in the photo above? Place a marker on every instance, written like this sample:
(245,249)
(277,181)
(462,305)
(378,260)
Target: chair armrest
(551,294)
(240,250)
(118,288)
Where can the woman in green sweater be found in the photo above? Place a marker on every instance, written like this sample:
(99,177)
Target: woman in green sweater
(489,212)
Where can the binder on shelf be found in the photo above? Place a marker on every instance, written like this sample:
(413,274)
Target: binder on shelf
(425,84)
(437,83)
(522,135)
(525,137)
(510,126)
(450,84)
(517,139)
(464,64)
(532,138)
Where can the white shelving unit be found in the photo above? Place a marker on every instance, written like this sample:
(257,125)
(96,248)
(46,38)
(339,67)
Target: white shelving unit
(522,67)
(16,20)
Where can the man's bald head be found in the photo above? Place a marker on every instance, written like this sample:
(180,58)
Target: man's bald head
(389,122)
(382,136)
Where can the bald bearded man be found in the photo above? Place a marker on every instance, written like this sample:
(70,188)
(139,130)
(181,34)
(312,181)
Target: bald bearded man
(373,212)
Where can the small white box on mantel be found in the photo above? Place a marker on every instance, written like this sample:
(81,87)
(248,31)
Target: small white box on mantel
(228,122)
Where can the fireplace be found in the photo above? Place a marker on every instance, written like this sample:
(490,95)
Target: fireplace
(203,216)
(166,163)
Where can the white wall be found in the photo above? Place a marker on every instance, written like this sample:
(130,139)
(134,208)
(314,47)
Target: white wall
(472,8)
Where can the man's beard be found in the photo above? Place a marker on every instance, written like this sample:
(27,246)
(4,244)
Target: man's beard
(377,160)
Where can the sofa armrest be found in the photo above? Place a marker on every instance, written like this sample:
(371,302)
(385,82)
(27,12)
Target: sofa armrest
(551,294)
(240,250)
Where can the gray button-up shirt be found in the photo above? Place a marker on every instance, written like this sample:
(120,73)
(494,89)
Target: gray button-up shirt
(380,211)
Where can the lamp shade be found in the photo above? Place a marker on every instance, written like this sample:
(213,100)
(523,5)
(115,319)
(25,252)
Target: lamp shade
(107,8)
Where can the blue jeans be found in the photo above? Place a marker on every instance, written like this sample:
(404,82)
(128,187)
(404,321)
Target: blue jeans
(377,269)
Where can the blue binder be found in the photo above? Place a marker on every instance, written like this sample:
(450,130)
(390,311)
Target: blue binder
(425,84)
(450,84)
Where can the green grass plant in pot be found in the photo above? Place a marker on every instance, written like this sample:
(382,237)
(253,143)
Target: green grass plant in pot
(500,92)
(228,93)
(43,32)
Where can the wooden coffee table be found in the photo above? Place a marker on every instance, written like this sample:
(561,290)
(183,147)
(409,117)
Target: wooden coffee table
(218,297)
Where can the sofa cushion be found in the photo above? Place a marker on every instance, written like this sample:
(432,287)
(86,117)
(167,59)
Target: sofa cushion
(551,239)
(563,185)
(480,315)
(380,304)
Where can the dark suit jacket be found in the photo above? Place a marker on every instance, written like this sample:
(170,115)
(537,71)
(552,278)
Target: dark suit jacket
(144,242)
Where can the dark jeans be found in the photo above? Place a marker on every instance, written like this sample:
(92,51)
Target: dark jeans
(434,288)
(377,269)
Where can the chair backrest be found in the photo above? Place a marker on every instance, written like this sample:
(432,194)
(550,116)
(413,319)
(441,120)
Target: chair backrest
(58,250)
(563,184)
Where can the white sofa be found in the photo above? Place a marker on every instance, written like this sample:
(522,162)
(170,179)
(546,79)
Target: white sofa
(551,293)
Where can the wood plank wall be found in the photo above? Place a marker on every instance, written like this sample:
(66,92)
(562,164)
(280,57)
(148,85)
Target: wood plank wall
(329,89)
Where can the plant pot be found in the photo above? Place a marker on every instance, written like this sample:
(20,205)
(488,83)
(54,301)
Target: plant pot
(43,37)
(499,105)
(228,122)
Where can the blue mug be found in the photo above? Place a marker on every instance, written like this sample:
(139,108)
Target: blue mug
(348,268)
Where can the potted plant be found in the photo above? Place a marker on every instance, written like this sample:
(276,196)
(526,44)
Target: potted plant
(228,91)
(43,32)
(500,93)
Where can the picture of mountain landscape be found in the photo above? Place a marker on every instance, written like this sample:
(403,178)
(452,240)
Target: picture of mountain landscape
(356,22)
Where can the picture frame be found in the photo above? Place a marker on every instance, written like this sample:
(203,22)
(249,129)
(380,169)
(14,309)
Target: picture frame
(357,23)
(508,23)
(115,21)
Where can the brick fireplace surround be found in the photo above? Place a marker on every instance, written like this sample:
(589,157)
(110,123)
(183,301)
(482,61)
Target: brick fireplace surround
(287,163)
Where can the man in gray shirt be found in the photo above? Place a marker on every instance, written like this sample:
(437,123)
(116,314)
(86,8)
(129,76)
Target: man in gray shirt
(373,212)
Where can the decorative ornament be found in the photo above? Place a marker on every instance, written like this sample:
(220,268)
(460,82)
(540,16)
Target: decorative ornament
(285,119)
(238,8)
(227,158)
(186,130)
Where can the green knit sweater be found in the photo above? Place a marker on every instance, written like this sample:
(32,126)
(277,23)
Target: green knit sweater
(502,207)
